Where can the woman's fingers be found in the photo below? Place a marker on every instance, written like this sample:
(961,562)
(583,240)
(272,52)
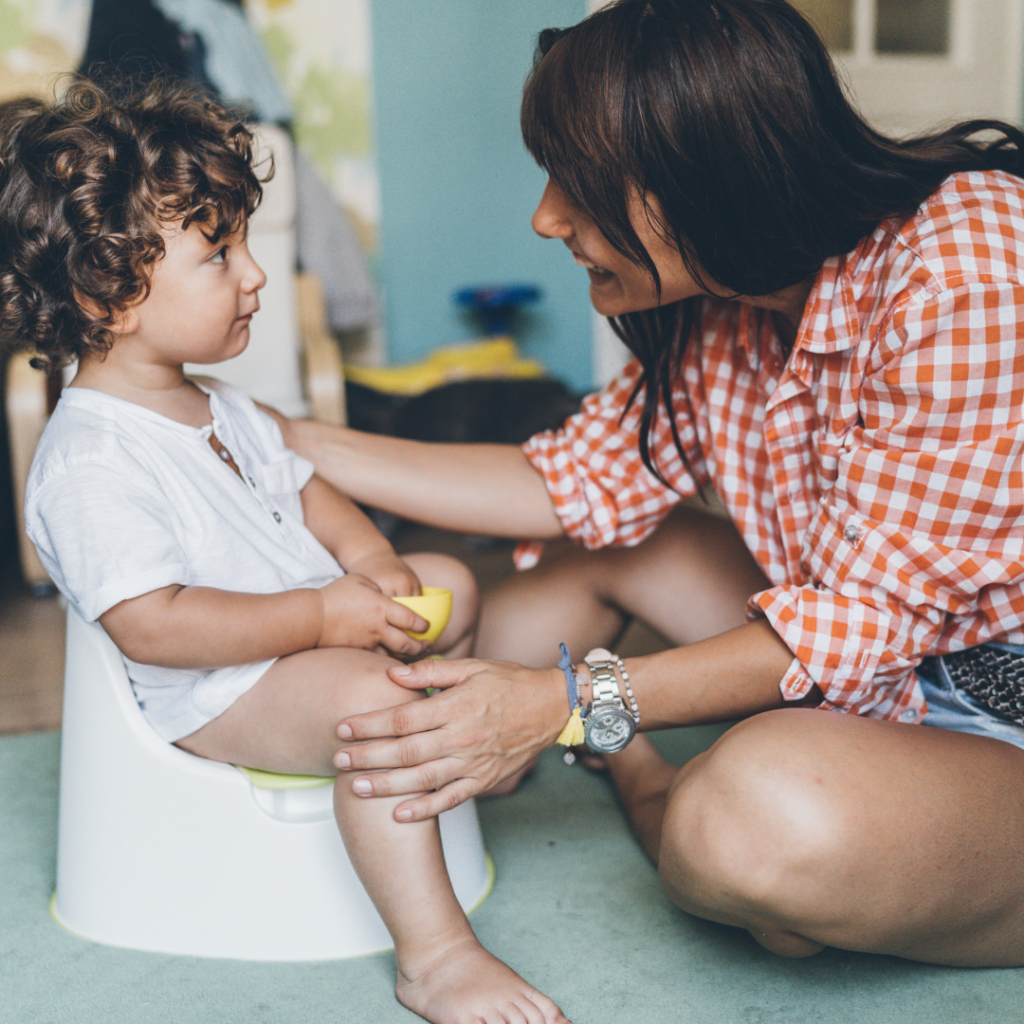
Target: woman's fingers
(407,781)
(402,720)
(400,752)
(431,804)
(436,673)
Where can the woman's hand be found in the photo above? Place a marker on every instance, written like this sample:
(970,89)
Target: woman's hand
(488,720)
(389,572)
(357,614)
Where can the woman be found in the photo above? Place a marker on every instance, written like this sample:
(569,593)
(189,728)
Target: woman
(825,330)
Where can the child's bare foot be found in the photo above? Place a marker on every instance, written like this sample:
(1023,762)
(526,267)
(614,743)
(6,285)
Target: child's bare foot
(466,985)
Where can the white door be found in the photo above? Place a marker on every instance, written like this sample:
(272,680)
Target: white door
(909,65)
(912,64)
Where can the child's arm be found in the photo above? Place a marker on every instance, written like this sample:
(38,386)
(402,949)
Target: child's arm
(340,525)
(202,627)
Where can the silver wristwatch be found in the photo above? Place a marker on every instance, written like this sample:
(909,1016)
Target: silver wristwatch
(609,725)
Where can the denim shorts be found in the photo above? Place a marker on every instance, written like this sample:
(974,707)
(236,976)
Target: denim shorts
(950,708)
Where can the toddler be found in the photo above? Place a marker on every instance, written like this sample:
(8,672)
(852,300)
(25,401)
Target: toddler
(251,600)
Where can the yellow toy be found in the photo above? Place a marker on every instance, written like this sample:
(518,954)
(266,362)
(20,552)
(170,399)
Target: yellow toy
(435,605)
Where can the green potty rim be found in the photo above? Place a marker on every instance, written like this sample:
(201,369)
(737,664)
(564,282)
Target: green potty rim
(273,780)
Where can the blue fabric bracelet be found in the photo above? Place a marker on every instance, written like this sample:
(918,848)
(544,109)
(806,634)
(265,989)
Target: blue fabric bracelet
(565,664)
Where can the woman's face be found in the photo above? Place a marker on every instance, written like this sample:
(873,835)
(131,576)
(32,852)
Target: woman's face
(617,285)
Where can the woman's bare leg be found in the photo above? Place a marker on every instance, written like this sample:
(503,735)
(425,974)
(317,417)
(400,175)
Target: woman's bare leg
(689,580)
(808,828)
(643,781)
(286,723)
(814,829)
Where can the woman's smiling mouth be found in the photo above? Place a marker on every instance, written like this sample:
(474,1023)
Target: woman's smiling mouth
(598,275)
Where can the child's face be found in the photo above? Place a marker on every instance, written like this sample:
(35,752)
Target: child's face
(202,297)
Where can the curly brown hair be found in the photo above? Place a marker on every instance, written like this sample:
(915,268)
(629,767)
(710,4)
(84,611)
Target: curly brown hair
(86,184)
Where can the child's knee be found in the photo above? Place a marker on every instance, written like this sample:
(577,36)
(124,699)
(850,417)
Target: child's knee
(362,682)
(463,584)
(436,570)
(465,597)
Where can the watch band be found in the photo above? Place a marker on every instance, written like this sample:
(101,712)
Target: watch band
(604,684)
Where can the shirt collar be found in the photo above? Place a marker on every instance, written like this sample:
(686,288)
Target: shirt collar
(830,322)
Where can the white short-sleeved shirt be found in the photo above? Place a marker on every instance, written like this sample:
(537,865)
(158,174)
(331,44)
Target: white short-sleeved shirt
(122,501)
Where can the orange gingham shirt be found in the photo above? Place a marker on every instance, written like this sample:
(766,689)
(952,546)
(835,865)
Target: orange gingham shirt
(876,476)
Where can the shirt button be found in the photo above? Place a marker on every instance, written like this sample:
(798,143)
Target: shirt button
(908,715)
(852,533)
(277,517)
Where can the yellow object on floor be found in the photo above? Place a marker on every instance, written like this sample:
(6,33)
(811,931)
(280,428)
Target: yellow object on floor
(496,357)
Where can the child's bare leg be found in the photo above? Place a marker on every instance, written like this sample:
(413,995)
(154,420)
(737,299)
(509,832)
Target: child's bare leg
(286,723)
(441,571)
(460,634)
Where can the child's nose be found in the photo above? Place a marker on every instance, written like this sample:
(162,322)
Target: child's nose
(254,278)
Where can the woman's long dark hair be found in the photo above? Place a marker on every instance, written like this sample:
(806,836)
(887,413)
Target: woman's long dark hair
(729,114)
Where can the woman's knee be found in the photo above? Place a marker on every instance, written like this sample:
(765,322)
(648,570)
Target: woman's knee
(751,827)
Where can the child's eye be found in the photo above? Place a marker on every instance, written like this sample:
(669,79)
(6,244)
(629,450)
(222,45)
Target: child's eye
(220,256)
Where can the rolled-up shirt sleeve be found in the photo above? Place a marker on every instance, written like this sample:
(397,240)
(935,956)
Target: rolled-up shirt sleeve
(920,528)
(601,491)
(103,538)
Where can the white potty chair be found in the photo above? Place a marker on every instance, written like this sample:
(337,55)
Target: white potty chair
(163,851)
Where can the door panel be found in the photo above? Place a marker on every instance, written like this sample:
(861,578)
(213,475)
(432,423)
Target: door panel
(912,64)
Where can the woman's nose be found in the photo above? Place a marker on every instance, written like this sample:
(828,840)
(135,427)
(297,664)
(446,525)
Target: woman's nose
(551,218)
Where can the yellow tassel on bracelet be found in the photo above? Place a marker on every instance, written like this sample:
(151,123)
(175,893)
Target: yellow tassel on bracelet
(573,733)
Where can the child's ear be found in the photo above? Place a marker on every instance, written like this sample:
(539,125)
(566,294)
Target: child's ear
(125,321)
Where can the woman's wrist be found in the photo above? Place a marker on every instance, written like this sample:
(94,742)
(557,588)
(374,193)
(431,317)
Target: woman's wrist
(555,709)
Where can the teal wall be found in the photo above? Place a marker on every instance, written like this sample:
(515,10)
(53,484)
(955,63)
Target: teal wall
(457,185)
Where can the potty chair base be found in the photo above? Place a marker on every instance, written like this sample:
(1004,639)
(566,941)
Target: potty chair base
(160,850)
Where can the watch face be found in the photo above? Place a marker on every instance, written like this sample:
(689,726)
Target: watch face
(608,731)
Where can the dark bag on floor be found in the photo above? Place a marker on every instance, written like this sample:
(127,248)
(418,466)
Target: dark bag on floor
(492,411)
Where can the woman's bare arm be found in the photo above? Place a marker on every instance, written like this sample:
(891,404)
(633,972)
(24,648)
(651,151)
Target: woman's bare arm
(477,488)
(492,717)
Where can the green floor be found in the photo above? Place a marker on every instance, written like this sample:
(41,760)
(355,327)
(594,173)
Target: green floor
(572,892)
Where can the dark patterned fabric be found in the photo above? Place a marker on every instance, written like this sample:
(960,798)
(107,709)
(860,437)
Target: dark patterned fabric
(994,678)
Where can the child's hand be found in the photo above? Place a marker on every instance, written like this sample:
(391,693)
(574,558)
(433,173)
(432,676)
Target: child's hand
(389,572)
(357,614)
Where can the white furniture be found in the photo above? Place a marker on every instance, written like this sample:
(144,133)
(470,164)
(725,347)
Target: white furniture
(164,851)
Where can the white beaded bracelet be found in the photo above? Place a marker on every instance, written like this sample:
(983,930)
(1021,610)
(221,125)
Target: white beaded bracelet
(629,689)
